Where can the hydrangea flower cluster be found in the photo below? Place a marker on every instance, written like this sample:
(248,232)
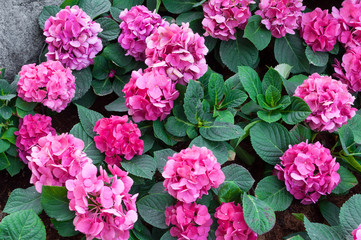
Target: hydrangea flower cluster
(308,171)
(191,173)
(231,223)
(222,17)
(56,159)
(149,95)
(49,83)
(73,38)
(31,129)
(189,220)
(357,233)
(103,207)
(117,137)
(137,24)
(329,101)
(320,30)
(179,51)
(281,16)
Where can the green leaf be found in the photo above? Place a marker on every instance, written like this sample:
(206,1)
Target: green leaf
(189,17)
(348,181)
(318,59)
(225,116)
(191,132)
(229,192)
(102,88)
(65,228)
(272,95)
(95,8)
(26,106)
(272,78)
(355,125)
(233,98)
(88,119)
(115,12)
(56,203)
(9,135)
(192,101)
(347,140)
(152,207)
(318,231)
(22,225)
(216,88)
(284,70)
(6,112)
(115,53)
(142,166)
(250,81)
(23,199)
(269,116)
(350,215)
(301,133)
(141,232)
(15,165)
(123,4)
(110,28)
(221,131)
(330,212)
(176,127)
(179,6)
(148,142)
(162,134)
(69,3)
(4,145)
(219,149)
(47,12)
(239,175)
(257,33)
(274,193)
(4,162)
(296,112)
(100,68)
(83,79)
(258,215)
(118,105)
(161,157)
(167,236)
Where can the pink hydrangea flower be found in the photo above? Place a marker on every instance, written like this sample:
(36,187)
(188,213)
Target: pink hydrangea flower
(149,95)
(191,173)
(329,101)
(308,171)
(103,207)
(56,159)
(189,220)
(222,17)
(118,137)
(357,233)
(73,38)
(231,223)
(320,30)
(31,128)
(49,83)
(281,16)
(179,51)
(137,24)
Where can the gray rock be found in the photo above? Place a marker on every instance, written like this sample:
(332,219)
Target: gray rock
(21,38)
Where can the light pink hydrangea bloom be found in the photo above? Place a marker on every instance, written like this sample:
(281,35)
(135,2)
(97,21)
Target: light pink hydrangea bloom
(73,38)
(329,101)
(357,233)
(320,30)
(308,171)
(31,128)
(231,223)
(56,159)
(103,207)
(118,137)
(137,24)
(281,16)
(179,51)
(49,83)
(189,220)
(223,17)
(149,95)
(191,173)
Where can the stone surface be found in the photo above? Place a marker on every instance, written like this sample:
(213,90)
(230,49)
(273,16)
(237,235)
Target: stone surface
(21,38)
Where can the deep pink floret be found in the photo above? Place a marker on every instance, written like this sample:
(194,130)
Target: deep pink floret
(329,101)
(191,173)
(223,17)
(231,223)
(357,233)
(73,38)
(189,220)
(137,24)
(308,171)
(118,137)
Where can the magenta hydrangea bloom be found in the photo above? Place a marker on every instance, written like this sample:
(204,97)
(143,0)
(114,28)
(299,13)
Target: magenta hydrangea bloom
(191,173)
(31,128)
(56,159)
(103,207)
(73,38)
(320,30)
(137,24)
(49,83)
(357,233)
(281,16)
(179,51)
(308,171)
(223,17)
(189,220)
(149,95)
(118,137)
(231,223)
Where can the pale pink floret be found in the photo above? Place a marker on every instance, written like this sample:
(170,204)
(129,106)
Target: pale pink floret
(189,220)
(320,30)
(118,137)
(31,128)
(73,38)
(56,159)
(281,16)
(49,83)
(223,17)
(231,223)
(191,173)
(137,24)
(308,171)
(329,101)
(357,233)
(179,51)
(103,207)
(149,95)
